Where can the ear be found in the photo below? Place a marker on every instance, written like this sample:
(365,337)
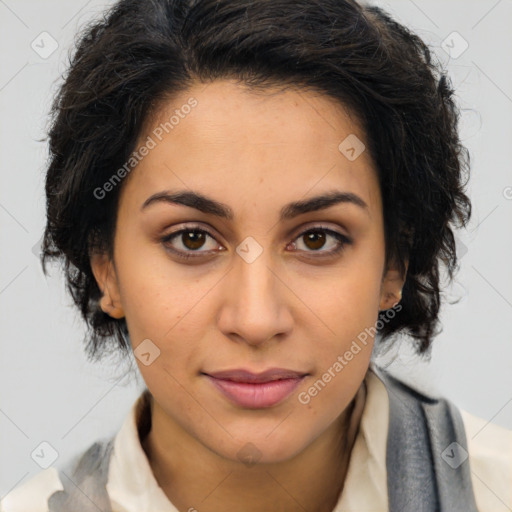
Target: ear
(106,277)
(391,286)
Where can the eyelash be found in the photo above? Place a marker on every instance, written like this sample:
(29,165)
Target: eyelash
(342,239)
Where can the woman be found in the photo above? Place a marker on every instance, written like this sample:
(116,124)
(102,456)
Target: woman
(245,194)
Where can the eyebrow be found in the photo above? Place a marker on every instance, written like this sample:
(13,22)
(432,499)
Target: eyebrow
(212,207)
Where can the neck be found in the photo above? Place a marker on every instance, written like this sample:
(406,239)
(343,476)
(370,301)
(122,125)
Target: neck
(313,480)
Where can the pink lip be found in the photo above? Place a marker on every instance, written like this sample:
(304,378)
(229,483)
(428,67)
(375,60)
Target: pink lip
(256,391)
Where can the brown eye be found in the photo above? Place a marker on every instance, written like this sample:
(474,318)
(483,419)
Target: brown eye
(187,242)
(193,239)
(317,238)
(314,239)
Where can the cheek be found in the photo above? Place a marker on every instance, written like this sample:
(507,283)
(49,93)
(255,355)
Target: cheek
(169,305)
(348,307)
(349,302)
(156,293)
(327,395)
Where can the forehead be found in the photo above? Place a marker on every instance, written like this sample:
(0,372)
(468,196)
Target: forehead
(229,112)
(237,143)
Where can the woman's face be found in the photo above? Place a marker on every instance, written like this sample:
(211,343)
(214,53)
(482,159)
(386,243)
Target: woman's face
(273,279)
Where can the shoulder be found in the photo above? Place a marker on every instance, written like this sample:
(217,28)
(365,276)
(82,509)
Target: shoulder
(489,446)
(490,460)
(33,494)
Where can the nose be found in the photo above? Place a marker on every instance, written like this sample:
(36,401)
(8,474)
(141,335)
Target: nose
(254,306)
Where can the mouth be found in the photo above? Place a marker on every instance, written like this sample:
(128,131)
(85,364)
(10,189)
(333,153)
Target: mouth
(256,390)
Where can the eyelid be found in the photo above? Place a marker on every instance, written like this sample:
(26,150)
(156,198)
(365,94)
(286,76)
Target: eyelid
(191,257)
(189,227)
(304,228)
(342,238)
(295,233)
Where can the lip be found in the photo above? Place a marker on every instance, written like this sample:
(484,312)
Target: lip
(256,391)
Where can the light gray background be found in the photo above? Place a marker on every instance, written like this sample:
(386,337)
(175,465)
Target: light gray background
(51,393)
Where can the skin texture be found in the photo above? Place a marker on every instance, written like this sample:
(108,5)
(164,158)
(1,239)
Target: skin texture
(289,308)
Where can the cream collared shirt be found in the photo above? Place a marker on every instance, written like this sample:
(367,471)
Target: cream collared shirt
(365,489)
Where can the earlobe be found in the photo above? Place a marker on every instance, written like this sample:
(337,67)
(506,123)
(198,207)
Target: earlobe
(390,299)
(113,309)
(105,275)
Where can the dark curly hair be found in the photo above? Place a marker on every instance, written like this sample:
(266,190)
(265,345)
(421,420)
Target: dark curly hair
(142,51)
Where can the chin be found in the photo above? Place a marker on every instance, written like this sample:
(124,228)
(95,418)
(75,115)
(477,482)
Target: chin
(257,450)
